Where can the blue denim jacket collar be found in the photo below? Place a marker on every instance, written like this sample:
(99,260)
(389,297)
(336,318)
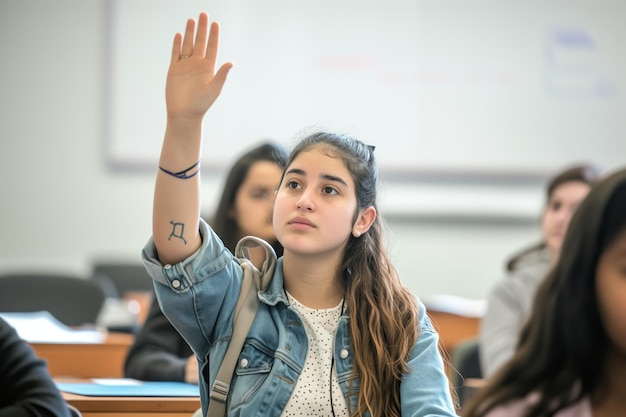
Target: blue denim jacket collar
(275,292)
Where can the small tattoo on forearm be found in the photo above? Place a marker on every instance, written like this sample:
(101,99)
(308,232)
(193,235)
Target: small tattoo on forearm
(177,231)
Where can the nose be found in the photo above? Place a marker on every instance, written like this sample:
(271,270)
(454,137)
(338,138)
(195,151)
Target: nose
(270,212)
(305,202)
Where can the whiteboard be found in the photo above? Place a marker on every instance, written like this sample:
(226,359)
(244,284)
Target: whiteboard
(492,86)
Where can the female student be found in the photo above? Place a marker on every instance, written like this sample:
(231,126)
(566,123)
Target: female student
(509,302)
(571,358)
(336,333)
(159,353)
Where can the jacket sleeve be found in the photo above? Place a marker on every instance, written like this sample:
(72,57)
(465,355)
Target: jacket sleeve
(26,387)
(198,294)
(425,390)
(159,353)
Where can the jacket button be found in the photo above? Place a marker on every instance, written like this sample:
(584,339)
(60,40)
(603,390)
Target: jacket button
(176,283)
(343,354)
(243,363)
(168,266)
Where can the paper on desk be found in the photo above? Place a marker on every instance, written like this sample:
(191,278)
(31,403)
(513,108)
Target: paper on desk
(43,327)
(452,304)
(116,381)
(126,387)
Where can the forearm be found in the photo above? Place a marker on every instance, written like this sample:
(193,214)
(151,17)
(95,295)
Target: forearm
(176,210)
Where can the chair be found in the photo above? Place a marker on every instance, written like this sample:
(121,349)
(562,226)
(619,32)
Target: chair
(72,300)
(119,278)
(74,412)
(465,361)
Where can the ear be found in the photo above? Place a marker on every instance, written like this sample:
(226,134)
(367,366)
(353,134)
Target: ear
(364,221)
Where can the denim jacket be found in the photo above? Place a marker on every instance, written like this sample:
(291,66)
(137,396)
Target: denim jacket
(198,295)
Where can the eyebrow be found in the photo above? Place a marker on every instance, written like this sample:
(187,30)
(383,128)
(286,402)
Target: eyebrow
(260,187)
(328,177)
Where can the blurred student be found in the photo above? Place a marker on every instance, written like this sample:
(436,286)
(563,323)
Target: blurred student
(571,358)
(159,353)
(26,387)
(509,302)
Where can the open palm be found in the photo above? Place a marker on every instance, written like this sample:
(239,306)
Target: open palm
(192,83)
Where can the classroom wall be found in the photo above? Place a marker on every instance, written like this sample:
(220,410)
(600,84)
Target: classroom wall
(492,86)
(63,204)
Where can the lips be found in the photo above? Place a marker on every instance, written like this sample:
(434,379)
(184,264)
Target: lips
(301,222)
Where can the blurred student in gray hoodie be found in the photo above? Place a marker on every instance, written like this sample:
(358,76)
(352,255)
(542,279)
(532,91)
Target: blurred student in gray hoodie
(509,303)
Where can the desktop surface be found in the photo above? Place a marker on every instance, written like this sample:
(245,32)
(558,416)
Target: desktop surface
(126,406)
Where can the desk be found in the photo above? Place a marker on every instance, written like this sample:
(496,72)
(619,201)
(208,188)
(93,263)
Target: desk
(453,328)
(86,360)
(133,406)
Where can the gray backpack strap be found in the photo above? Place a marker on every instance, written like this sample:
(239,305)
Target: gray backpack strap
(245,311)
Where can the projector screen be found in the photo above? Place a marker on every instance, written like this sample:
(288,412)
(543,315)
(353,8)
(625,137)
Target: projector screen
(488,86)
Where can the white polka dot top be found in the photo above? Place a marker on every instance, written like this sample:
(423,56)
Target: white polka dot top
(312,394)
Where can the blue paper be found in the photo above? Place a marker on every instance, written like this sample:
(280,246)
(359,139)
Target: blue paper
(135,389)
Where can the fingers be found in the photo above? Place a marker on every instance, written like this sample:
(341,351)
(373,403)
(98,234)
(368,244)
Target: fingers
(201,41)
(186,46)
(214,41)
(187,49)
(199,44)
(221,75)
(176,47)
(183,47)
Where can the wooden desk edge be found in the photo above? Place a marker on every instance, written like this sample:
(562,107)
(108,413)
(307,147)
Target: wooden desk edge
(132,404)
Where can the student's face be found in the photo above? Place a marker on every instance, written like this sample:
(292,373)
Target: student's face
(559,210)
(315,204)
(611,291)
(252,209)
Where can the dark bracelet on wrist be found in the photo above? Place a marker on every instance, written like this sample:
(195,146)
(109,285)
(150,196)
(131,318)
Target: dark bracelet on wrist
(183,175)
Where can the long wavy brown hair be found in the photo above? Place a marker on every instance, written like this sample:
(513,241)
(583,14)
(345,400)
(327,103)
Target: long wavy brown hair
(383,313)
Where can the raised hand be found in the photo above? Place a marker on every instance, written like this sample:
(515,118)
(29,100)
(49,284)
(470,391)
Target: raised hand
(192,87)
(192,83)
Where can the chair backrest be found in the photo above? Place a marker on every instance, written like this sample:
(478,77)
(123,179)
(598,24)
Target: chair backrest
(118,278)
(465,361)
(72,300)
(74,412)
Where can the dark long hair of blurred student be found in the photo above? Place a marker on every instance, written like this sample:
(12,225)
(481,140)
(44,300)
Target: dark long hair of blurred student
(571,357)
